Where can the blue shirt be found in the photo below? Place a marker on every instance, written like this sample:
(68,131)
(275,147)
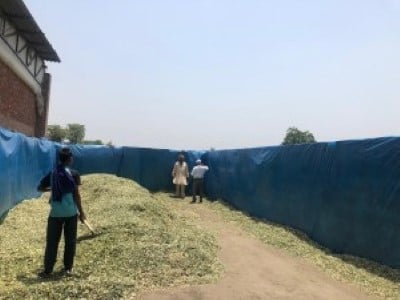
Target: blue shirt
(64,208)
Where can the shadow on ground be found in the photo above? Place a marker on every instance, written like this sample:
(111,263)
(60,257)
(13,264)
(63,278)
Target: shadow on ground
(32,280)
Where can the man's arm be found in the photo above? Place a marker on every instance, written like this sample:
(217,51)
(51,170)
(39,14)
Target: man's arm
(78,201)
(174,171)
(77,196)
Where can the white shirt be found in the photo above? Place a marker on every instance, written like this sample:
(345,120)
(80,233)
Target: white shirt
(199,171)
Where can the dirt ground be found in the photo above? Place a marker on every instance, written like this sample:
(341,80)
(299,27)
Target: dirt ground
(254,270)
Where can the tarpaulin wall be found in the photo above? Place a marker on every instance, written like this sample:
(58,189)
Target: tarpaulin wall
(23,162)
(151,168)
(345,195)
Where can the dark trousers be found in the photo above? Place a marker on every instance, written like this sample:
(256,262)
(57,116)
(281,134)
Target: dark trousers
(54,230)
(198,187)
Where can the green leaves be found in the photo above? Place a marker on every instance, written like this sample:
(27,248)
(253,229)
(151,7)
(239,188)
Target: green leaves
(296,136)
(56,133)
(75,133)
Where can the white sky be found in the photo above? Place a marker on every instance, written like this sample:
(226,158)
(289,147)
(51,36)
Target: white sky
(223,74)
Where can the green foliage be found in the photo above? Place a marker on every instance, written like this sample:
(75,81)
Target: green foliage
(296,136)
(75,133)
(56,133)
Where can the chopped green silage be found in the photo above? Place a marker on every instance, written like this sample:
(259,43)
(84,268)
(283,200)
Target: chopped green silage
(371,277)
(141,243)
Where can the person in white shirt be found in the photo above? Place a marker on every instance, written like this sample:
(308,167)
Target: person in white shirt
(180,174)
(198,178)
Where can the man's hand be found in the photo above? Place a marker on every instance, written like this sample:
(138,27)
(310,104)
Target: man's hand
(82,217)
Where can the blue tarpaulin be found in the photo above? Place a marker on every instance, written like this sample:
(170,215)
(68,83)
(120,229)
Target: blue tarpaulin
(344,195)
(23,162)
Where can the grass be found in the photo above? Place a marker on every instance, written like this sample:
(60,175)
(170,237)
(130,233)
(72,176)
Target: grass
(141,243)
(373,278)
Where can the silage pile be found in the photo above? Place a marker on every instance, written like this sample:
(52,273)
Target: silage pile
(141,244)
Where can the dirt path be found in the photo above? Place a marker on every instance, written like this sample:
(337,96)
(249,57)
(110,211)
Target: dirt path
(255,271)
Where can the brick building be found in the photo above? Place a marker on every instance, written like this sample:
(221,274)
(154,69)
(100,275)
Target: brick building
(24,83)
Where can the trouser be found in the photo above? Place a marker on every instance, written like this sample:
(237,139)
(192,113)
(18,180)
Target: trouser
(54,229)
(198,187)
(180,190)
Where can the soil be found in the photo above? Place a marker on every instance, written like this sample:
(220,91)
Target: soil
(253,270)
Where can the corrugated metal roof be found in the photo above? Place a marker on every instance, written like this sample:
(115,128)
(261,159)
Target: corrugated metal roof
(18,14)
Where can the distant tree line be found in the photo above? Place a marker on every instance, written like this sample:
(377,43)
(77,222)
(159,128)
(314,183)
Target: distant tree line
(72,133)
(75,134)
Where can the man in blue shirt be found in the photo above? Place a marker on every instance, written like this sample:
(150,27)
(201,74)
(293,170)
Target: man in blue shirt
(65,202)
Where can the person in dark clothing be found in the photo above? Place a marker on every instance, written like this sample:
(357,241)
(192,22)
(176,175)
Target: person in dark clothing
(65,202)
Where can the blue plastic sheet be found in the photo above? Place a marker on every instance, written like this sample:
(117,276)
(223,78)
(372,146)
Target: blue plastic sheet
(152,168)
(96,159)
(23,162)
(344,195)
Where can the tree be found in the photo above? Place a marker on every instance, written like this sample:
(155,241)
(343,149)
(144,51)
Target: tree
(95,142)
(56,133)
(75,133)
(296,136)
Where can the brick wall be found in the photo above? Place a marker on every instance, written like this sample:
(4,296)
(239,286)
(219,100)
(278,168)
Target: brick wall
(17,103)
